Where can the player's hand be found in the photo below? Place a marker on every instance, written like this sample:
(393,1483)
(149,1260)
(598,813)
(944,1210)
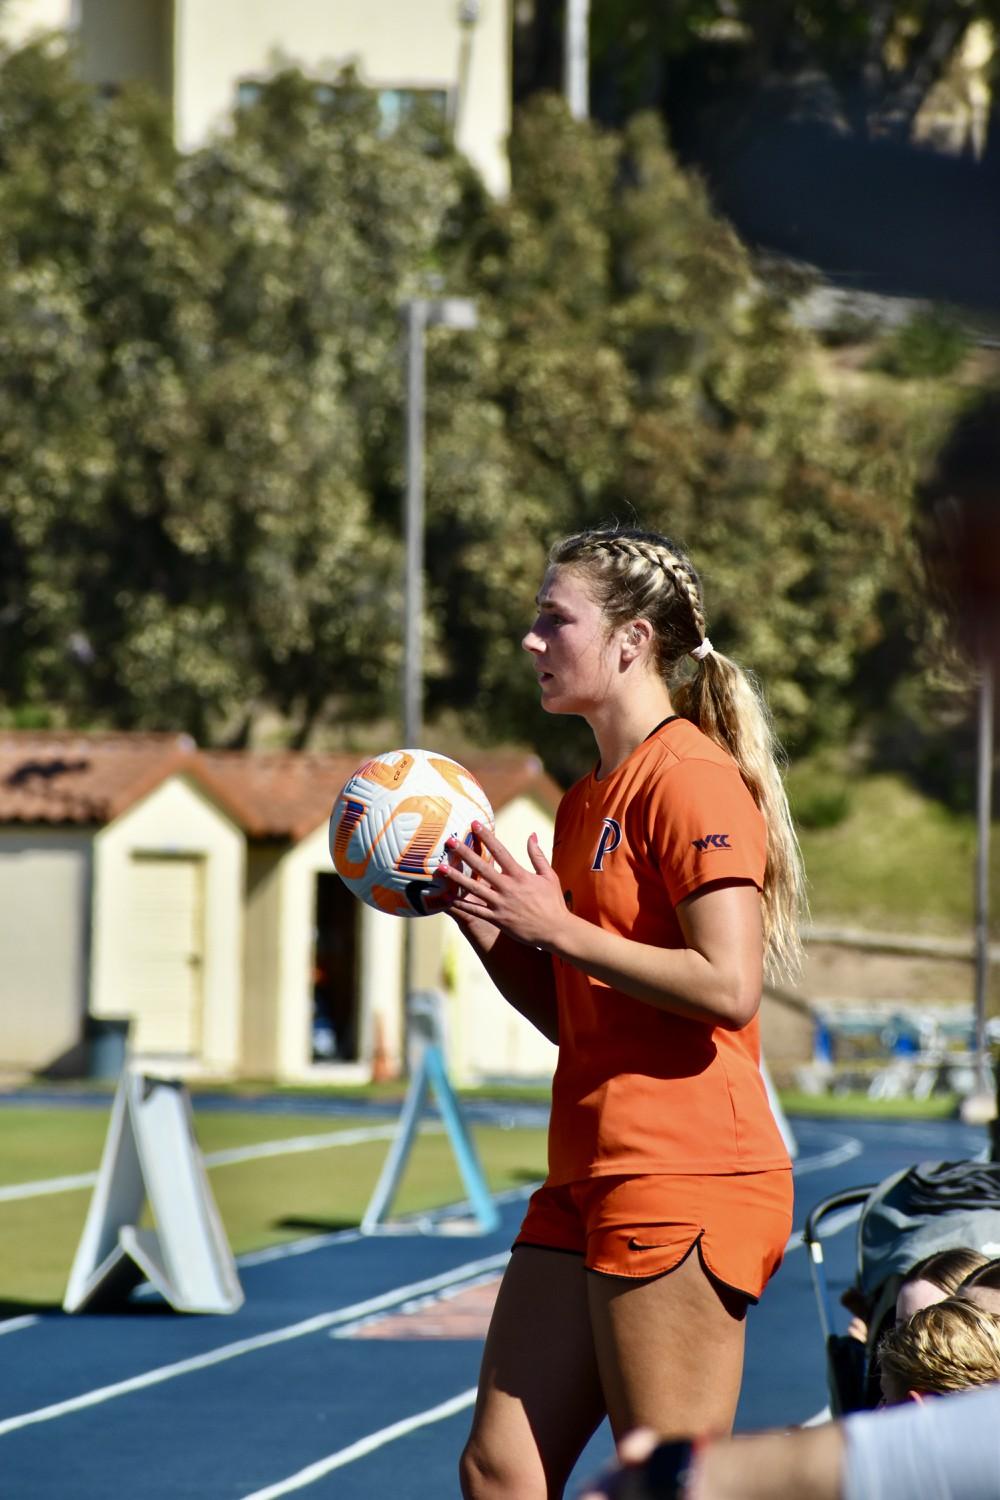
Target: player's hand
(482,933)
(526,904)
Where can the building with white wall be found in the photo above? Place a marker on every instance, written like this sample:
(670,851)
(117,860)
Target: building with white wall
(204,55)
(192,895)
(121,899)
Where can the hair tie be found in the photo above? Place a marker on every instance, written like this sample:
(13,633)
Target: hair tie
(700,652)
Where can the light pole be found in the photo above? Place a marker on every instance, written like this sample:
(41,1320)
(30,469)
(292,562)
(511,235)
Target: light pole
(982,1089)
(576,58)
(420,313)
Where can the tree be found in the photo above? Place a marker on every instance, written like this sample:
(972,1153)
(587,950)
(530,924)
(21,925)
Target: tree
(641,367)
(868,65)
(201,417)
(813,124)
(197,528)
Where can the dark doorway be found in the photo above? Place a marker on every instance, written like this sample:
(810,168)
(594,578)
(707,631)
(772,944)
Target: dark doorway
(336,1009)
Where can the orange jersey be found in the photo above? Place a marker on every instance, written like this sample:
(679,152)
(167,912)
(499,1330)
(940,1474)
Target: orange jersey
(637,1089)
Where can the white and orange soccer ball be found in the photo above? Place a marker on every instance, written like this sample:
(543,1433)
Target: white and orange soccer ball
(389,826)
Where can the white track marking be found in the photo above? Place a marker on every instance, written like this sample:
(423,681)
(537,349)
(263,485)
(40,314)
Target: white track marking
(310,1143)
(236,1350)
(350,1236)
(46,1186)
(416,1305)
(835,1157)
(293,1144)
(14,1325)
(364,1446)
(298,1247)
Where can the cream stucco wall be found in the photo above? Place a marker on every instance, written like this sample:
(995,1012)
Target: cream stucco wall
(279,960)
(197,52)
(381,970)
(294,912)
(261,974)
(176,819)
(22,20)
(393,44)
(484,1035)
(125,39)
(44,933)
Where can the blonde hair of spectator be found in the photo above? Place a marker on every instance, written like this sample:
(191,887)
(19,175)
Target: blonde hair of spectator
(950,1346)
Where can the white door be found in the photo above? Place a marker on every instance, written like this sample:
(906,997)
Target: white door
(164,953)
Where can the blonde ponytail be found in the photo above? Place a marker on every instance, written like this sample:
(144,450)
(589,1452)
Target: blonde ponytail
(727,704)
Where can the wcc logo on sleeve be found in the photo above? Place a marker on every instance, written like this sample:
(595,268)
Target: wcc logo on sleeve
(712,841)
(611,837)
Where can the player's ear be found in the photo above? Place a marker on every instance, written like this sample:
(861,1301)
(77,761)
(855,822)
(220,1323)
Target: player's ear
(636,637)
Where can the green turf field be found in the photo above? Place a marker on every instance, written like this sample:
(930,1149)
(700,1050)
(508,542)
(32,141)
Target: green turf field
(262,1202)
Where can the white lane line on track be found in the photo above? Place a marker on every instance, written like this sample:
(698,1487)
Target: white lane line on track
(46,1186)
(365,1446)
(835,1157)
(293,1144)
(286,1147)
(14,1325)
(236,1350)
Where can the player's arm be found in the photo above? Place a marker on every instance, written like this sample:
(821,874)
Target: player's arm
(807,1464)
(716,977)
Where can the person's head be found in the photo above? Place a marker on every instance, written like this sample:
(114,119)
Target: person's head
(649,599)
(934,1278)
(949,1346)
(982,1288)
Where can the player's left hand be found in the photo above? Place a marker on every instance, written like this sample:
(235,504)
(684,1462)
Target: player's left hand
(526,904)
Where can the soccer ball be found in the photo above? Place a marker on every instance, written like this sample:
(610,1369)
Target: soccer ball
(389,825)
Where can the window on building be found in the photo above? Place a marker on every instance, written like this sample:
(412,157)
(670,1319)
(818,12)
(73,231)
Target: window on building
(395,106)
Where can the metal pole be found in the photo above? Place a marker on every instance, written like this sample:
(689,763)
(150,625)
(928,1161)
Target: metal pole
(984,789)
(576,58)
(413,525)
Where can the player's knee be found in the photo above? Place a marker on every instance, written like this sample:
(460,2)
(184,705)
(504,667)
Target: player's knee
(491,1476)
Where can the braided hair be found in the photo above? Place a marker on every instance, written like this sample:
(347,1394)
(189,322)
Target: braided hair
(632,573)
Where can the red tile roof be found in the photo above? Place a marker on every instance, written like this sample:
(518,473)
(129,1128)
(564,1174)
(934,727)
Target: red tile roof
(83,778)
(286,794)
(89,779)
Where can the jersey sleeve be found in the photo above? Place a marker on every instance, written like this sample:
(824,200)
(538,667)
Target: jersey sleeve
(705,826)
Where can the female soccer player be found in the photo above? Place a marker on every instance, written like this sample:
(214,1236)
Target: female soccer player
(640,951)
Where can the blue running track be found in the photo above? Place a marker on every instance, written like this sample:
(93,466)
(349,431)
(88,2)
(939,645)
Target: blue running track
(282,1398)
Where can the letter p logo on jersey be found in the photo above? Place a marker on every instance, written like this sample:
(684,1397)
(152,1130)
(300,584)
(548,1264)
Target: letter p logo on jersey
(611,837)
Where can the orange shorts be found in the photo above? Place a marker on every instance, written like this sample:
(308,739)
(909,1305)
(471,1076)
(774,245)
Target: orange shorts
(645,1226)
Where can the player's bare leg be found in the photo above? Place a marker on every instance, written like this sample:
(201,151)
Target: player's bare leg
(540,1397)
(669,1349)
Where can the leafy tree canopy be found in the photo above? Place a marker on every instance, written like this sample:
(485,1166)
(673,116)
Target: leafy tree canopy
(868,65)
(201,418)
